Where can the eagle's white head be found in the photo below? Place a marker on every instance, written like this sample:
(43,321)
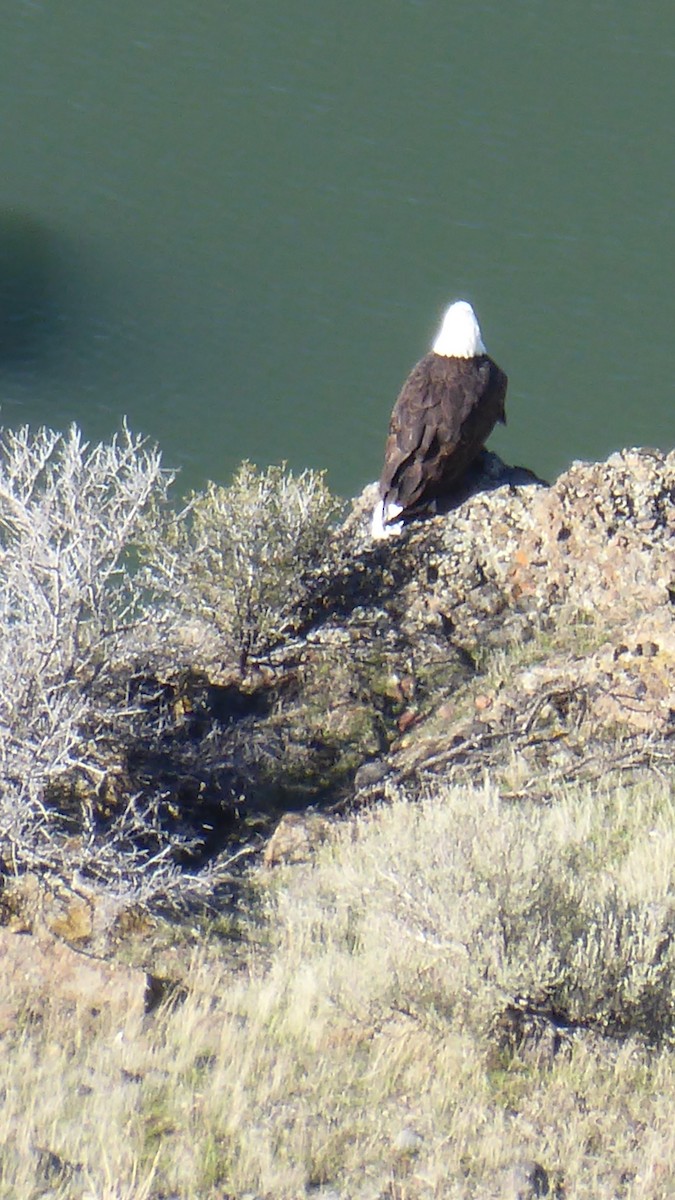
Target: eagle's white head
(459,335)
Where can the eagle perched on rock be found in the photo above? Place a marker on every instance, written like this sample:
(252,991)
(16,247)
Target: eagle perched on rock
(444,414)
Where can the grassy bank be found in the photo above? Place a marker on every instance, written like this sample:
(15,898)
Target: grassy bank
(449,988)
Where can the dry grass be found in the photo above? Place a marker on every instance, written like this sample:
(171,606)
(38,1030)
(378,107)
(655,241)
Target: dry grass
(369,1003)
(574,634)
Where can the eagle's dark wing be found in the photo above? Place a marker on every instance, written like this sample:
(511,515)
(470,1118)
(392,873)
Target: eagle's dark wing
(444,414)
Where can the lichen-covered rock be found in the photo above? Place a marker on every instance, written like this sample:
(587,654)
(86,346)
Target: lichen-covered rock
(575,585)
(601,540)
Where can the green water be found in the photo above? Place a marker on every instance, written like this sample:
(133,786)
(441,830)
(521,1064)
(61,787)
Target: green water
(239,223)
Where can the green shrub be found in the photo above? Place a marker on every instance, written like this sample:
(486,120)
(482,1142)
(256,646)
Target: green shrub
(235,557)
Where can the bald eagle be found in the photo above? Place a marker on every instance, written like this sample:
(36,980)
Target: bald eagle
(445,412)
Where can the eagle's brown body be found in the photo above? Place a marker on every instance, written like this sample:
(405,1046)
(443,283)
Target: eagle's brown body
(445,412)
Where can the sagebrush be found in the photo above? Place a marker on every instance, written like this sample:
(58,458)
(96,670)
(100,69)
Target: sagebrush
(483,905)
(97,570)
(69,514)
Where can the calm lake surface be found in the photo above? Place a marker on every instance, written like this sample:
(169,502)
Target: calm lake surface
(239,223)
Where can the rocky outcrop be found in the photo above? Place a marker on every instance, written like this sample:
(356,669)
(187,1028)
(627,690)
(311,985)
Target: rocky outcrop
(528,631)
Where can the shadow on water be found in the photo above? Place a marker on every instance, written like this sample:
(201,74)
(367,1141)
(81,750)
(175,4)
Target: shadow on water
(72,328)
(30,285)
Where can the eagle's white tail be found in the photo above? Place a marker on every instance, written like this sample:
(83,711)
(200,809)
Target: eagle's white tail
(383,524)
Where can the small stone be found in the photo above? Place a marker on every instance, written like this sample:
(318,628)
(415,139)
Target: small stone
(408,1142)
(296,838)
(52,1168)
(370,773)
(406,719)
(527,1180)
